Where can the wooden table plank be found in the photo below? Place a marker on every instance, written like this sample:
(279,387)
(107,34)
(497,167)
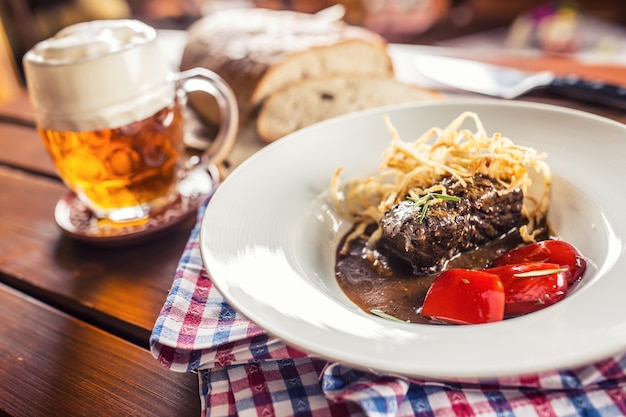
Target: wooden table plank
(69,368)
(120,289)
(18,109)
(22,147)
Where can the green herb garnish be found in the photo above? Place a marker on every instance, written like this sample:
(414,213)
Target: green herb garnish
(424,200)
(384,315)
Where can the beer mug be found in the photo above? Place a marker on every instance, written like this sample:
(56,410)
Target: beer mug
(111,113)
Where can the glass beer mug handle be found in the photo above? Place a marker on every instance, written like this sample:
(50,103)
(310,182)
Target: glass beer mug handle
(201,79)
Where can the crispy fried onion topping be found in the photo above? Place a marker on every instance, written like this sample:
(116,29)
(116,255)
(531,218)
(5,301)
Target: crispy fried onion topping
(413,169)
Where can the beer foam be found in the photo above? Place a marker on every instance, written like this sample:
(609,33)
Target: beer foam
(98,74)
(91,40)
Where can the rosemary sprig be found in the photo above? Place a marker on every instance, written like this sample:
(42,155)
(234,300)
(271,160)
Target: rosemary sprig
(384,315)
(424,201)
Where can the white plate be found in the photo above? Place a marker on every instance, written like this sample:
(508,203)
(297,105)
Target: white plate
(269,235)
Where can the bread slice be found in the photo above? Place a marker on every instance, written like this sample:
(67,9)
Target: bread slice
(259,51)
(313,100)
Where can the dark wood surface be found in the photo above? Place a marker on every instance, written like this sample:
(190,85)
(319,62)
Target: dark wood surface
(53,364)
(75,319)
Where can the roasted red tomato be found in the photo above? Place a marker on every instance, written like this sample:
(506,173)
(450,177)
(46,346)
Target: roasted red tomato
(465,296)
(550,251)
(531,286)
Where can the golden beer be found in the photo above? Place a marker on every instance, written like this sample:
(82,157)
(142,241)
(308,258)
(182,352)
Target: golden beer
(109,108)
(128,166)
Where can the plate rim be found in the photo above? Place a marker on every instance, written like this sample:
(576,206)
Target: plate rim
(384,366)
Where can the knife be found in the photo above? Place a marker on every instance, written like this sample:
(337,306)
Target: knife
(509,83)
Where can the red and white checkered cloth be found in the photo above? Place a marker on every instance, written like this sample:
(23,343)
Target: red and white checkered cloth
(244,372)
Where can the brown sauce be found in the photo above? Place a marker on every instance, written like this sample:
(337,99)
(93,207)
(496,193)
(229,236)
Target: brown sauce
(389,285)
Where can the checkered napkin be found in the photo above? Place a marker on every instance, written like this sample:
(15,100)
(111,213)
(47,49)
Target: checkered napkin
(244,372)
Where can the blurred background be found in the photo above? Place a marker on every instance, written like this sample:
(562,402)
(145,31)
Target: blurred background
(551,25)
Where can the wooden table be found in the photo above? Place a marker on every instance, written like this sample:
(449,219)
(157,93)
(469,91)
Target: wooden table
(76,319)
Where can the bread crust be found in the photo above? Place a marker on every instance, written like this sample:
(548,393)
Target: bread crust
(259,51)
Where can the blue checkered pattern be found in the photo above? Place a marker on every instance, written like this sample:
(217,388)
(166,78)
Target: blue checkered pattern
(244,372)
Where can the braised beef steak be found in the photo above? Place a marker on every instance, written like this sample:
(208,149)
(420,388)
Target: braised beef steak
(485,211)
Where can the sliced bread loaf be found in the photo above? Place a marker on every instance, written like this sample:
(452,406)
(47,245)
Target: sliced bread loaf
(312,100)
(259,51)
